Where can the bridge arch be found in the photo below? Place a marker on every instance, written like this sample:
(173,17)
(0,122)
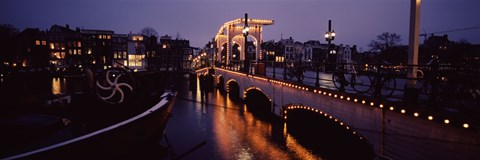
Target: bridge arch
(220,82)
(328,128)
(257,100)
(233,89)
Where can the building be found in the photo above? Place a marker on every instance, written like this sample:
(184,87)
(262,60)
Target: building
(174,54)
(32,50)
(65,47)
(120,48)
(97,48)
(289,46)
(315,52)
(151,49)
(136,52)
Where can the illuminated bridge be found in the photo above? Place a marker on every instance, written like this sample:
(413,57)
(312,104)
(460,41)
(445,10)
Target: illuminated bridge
(393,130)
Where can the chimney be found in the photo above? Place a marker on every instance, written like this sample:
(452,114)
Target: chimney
(67,26)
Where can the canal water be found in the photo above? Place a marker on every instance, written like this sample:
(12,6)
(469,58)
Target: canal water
(225,128)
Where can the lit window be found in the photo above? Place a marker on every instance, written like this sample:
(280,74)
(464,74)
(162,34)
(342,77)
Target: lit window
(52,46)
(44,43)
(108,37)
(74,52)
(37,42)
(79,44)
(79,52)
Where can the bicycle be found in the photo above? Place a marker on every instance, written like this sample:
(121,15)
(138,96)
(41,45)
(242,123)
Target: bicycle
(384,83)
(378,82)
(297,72)
(360,84)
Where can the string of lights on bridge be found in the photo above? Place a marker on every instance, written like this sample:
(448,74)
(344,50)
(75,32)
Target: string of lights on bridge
(349,98)
(322,113)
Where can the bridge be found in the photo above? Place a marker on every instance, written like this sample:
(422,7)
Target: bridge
(393,130)
(233,32)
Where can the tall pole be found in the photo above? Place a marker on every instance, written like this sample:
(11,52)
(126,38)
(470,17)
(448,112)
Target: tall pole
(245,35)
(329,30)
(274,61)
(411,93)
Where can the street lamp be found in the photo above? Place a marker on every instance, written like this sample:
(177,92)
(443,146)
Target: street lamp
(329,37)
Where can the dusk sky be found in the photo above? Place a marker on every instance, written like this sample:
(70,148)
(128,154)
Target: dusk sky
(356,22)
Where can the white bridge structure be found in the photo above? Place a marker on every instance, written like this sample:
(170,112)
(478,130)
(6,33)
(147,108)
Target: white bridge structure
(231,33)
(393,130)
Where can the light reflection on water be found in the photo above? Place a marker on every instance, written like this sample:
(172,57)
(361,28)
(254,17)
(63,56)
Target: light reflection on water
(57,86)
(66,85)
(230,131)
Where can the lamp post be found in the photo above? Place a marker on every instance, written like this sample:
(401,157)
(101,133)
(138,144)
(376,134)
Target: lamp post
(284,65)
(245,35)
(329,37)
(274,61)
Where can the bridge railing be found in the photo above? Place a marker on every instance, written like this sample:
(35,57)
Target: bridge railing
(448,87)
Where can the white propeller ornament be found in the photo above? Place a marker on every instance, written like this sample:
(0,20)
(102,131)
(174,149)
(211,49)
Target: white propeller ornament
(114,87)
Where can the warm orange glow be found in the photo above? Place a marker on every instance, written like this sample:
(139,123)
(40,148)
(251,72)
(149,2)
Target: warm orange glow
(446,121)
(465,125)
(430,118)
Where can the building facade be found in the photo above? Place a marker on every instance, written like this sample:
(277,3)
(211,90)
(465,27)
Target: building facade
(136,52)
(65,47)
(97,48)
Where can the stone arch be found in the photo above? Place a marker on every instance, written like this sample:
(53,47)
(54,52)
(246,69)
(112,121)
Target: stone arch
(221,82)
(257,100)
(233,89)
(329,131)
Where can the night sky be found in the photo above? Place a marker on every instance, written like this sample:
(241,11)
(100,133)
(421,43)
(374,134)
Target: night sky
(354,21)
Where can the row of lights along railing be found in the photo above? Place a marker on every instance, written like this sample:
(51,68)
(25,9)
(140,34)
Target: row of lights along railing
(349,98)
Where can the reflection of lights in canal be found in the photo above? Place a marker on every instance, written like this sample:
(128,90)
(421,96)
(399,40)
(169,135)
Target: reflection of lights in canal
(58,85)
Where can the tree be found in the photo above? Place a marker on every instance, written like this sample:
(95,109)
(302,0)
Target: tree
(388,46)
(385,42)
(149,31)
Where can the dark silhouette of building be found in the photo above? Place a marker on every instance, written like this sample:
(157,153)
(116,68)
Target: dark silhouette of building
(65,47)
(8,35)
(97,47)
(32,49)
(151,48)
